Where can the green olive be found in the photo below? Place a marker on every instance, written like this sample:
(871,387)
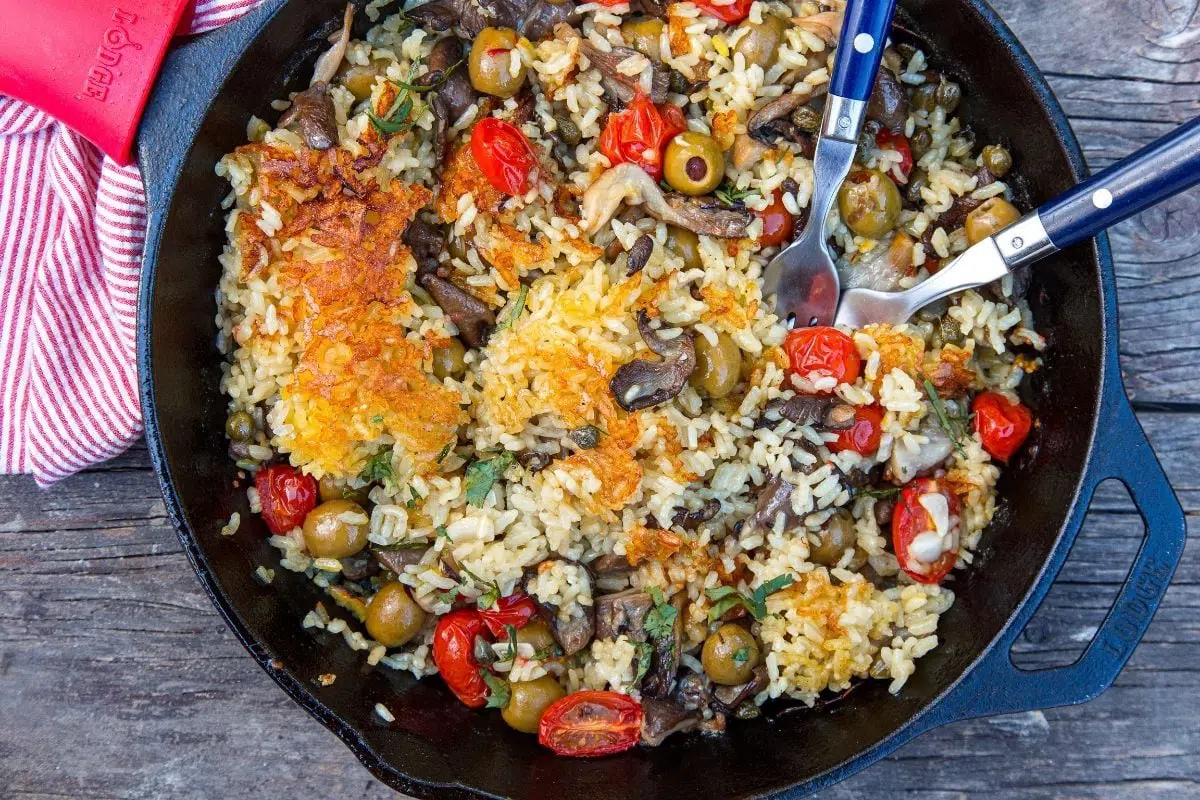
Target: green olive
(834,537)
(730,655)
(870,203)
(331,488)
(528,700)
(328,534)
(359,78)
(686,245)
(920,142)
(994,215)
(536,634)
(760,44)
(240,426)
(644,35)
(997,160)
(694,163)
(448,361)
(948,95)
(924,97)
(917,181)
(718,366)
(490,63)
(393,617)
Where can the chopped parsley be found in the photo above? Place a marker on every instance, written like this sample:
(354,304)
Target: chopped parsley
(955,427)
(741,655)
(445,451)
(881,492)
(482,476)
(727,597)
(512,312)
(441,531)
(510,631)
(449,596)
(729,194)
(498,692)
(491,590)
(645,652)
(379,469)
(660,621)
(413,497)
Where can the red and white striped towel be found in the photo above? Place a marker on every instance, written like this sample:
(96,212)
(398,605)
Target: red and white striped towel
(72,226)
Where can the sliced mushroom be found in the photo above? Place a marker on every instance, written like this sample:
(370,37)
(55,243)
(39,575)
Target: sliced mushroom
(361,566)
(747,151)
(622,613)
(827,25)
(652,8)
(426,241)
(823,413)
(690,520)
(534,460)
(629,183)
(436,16)
(621,86)
(904,465)
(663,718)
(576,632)
(533,19)
(889,102)
(643,383)
(609,564)
(694,691)
(774,498)
(395,560)
(774,121)
(329,61)
(473,317)
(668,652)
(639,254)
(455,94)
(312,117)
(730,697)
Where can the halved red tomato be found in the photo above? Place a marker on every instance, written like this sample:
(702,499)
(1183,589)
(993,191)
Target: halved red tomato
(864,434)
(454,655)
(736,11)
(825,351)
(1002,424)
(591,724)
(504,155)
(778,222)
(926,540)
(286,495)
(639,134)
(515,610)
(896,142)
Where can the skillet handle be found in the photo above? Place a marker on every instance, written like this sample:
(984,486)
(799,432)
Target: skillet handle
(996,686)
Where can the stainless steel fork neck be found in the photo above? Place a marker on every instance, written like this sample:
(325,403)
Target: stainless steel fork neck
(1024,242)
(843,118)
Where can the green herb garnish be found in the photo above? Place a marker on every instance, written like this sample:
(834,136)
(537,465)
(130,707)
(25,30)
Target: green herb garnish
(482,476)
(726,597)
(379,470)
(510,631)
(513,311)
(729,194)
(498,692)
(492,590)
(428,87)
(445,452)
(441,531)
(449,596)
(391,548)
(880,493)
(413,497)
(399,116)
(741,655)
(645,652)
(939,410)
(660,622)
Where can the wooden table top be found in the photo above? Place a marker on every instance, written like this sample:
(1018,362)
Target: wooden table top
(118,679)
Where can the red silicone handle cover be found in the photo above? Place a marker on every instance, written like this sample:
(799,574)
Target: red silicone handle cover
(89,63)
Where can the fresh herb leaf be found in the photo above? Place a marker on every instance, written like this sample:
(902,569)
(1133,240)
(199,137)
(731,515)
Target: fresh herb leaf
(377,419)
(379,470)
(413,497)
(510,631)
(939,411)
(645,652)
(660,622)
(491,590)
(770,587)
(880,493)
(449,596)
(513,311)
(729,194)
(441,531)
(741,655)
(390,548)
(428,87)
(397,119)
(498,692)
(482,476)
(445,452)
(549,651)
(726,597)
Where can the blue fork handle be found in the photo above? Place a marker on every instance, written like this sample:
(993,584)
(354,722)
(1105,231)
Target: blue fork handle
(1160,169)
(864,33)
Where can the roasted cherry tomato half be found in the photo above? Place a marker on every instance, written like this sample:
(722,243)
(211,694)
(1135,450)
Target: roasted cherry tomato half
(286,495)
(896,142)
(824,351)
(639,134)
(454,655)
(515,610)
(736,11)
(591,724)
(504,155)
(1002,424)
(778,223)
(864,434)
(925,530)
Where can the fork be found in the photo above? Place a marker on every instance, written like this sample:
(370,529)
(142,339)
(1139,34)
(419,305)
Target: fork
(1159,170)
(802,276)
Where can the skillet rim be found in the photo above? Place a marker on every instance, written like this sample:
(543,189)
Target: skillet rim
(168,173)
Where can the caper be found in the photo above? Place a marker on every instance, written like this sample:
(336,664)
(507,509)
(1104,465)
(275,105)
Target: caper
(997,159)
(448,361)
(568,131)
(917,181)
(644,36)
(239,427)
(331,488)
(335,529)
(730,655)
(835,536)
(920,142)
(869,203)
(457,247)
(528,700)
(807,119)
(359,79)
(924,97)
(679,84)
(718,366)
(490,63)
(686,245)
(949,95)
(694,163)
(587,437)
(393,617)
(994,215)
(760,44)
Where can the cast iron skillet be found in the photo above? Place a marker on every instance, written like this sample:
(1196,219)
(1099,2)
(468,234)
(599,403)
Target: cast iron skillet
(436,747)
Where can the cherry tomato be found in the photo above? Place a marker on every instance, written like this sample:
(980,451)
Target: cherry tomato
(886,140)
(778,223)
(825,351)
(639,134)
(925,559)
(611,3)
(591,724)
(862,436)
(454,655)
(504,155)
(286,494)
(515,610)
(1001,423)
(736,11)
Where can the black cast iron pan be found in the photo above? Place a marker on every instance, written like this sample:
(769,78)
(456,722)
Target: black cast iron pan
(437,748)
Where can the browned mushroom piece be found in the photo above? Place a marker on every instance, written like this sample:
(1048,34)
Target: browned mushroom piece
(694,691)
(533,19)
(629,183)
(730,697)
(396,559)
(689,520)
(824,413)
(774,121)
(774,498)
(621,86)
(454,94)
(905,464)
(473,317)
(663,718)
(426,241)
(639,254)
(622,613)
(643,383)
(889,102)
(577,629)
(311,116)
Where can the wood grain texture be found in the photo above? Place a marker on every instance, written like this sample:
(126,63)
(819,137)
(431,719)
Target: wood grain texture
(119,680)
